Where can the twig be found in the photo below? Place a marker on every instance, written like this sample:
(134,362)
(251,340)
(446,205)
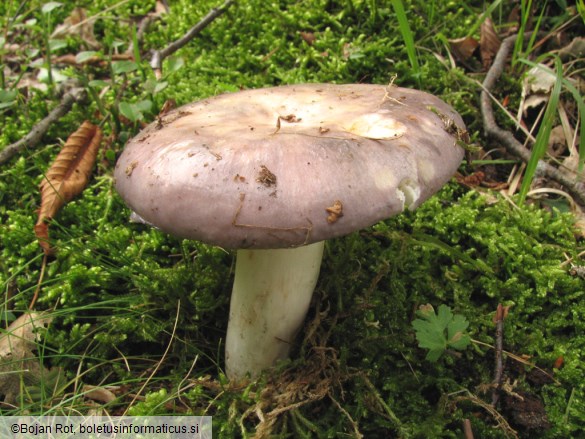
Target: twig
(496,416)
(576,188)
(159,55)
(519,359)
(499,319)
(467,430)
(76,94)
(389,413)
(356,430)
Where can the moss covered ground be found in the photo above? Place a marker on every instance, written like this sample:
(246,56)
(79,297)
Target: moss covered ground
(144,314)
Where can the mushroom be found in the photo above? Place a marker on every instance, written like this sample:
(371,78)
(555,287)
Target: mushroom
(273,173)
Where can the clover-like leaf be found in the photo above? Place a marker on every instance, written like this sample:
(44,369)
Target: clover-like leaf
(135,111)
(124,66)
(439,331)
(50,6)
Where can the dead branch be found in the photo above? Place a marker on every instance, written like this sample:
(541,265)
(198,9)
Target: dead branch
(76,94)
(499,370)
(70,59)
(506,138)
(159,55)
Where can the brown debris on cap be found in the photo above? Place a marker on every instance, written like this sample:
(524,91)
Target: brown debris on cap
(371,150)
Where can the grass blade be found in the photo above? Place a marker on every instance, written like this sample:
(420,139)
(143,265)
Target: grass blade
(406,36)
(578,98)
(542,138)
(482,17)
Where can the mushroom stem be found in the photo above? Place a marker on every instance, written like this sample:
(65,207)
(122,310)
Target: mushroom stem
(270,299)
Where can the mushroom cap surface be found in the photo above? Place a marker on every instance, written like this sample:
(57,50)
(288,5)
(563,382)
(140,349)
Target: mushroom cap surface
(292,165)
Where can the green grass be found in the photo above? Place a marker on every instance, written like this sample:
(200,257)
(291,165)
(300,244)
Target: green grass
(407,36)
(542,138)
(145,314)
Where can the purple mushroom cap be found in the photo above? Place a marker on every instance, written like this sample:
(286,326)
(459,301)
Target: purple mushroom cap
(288,166)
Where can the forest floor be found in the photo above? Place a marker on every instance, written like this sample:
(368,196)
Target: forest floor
(106,316)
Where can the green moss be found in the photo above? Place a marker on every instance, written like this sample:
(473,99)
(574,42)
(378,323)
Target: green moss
(524,249)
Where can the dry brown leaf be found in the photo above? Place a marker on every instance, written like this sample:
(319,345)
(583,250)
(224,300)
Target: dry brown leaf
(575,49)
(78,24)
(463,48)
(536,87)
(67,176)
(99,394)
(308,37)
(18,363)
(489,43)
(20,336)
(170,104)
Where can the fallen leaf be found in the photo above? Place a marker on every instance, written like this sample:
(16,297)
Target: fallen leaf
(539,79)
(513,20)
(170,104)
(536,87)
(99,394)
(472,181)
(78,24)
(71,59)
(18,363)
(21,334)
(463,48)
(575,49)
(308,37)
(489,43)
(67,176)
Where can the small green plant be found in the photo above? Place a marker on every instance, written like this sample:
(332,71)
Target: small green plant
(46,10)
(526,15)
(440,331)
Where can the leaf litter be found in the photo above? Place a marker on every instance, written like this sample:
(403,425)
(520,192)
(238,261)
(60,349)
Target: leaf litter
(67,177)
